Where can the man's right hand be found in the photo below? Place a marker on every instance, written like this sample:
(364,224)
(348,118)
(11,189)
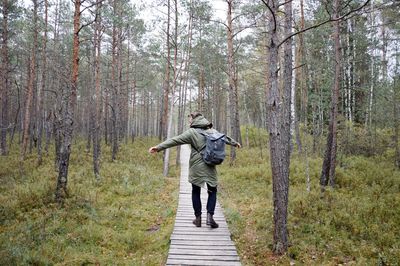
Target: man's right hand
(153,150)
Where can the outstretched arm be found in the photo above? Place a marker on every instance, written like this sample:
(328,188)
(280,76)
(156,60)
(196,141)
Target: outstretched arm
(232,142)
(184,138)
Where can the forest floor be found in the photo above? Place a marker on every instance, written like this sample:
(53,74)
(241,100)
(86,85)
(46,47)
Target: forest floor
(356,223)
(127,217)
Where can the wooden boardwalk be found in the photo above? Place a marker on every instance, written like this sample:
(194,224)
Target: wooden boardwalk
(192,245)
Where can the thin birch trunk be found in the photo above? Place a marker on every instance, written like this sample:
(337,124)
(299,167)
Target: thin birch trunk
(396,102)
(184,84)
(164,123)
(31,84)
(233,97)
(41,112)
(169,132)
(368,113)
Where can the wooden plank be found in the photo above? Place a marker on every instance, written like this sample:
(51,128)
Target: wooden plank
(201,243)
(198,247)
(201,234)
(203,262)
(177,251)
(208,257)
(203,229)
(200,237)
(190,225)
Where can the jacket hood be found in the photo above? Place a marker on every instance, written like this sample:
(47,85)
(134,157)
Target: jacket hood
(201,122)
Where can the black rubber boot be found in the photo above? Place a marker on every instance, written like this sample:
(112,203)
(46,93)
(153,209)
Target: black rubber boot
(197,221)
(211,222)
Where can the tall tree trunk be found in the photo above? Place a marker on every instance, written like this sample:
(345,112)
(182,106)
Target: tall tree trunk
(169,130)
(164,117)
(302,96)
(183,83)
(165,99)
(233,91)
(40,108)
(201,97)
(396,100)
(55,118)
(368,113)
(31,84)
(97,101)
(396,103)
(69,103)
(329,164)
(287,84)
(114,81)
(297,88)
(4,80)
(279,128)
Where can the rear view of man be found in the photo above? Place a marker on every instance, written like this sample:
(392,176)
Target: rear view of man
(200,173)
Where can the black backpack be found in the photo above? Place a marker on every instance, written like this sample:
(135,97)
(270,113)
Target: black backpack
(213,152)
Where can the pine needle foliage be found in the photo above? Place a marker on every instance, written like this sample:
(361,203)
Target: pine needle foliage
(124,219)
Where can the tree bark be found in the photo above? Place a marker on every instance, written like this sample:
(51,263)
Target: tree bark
(114,83)
(97,102)
(396,110)
(165,99)
(174,85)
(31,84)
(300,90)
(164,117)
(233,91)
(40,108)
(396,102)
(287,84)
(329,164)
(368,113)
(4,80)
(279,131)
(69,103)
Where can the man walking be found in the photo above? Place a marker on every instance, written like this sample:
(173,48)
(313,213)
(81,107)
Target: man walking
(200,173)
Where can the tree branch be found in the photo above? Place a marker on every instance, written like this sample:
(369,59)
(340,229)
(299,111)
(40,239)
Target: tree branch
(89,6)
(242,29)
(211,20)
(287,2)
(323,23)
(272,13)
(85,25)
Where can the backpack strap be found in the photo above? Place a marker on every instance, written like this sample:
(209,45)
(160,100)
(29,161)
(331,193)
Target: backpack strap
(201,132)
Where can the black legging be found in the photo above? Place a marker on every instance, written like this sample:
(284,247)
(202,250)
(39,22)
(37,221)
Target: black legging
(212,199)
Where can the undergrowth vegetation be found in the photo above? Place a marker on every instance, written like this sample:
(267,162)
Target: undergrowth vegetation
(356,223)
(126,218)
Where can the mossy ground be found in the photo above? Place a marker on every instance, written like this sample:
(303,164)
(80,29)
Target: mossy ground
(127,217)
(124,219)
(356,223)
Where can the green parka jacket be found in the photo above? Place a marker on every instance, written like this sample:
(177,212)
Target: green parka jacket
(199,171)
